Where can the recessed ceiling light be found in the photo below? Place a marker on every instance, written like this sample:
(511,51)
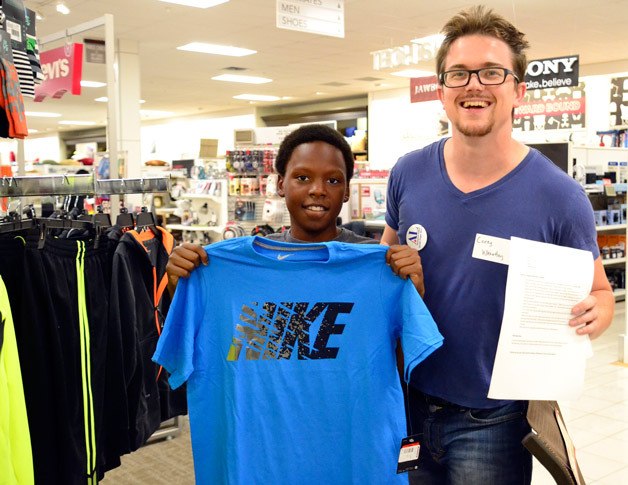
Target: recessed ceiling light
(77,123)
(92,84)
(412,73)
(152,113)
(257,97)
(104,99)
(239,78)
(42,114)
(221,50)
(196,3)
(30,130)
(62,8)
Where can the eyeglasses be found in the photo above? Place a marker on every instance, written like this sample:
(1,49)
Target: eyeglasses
(488,76)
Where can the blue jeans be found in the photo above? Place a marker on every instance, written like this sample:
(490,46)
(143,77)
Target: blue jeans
(469,446)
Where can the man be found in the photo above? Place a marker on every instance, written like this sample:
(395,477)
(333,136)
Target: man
(480,181)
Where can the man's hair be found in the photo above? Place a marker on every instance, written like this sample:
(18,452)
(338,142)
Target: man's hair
(481,21)
(310,134)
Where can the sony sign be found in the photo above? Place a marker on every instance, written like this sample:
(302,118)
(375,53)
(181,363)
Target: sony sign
(552,73)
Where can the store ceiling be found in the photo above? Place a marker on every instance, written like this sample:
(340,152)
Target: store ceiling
(302,64)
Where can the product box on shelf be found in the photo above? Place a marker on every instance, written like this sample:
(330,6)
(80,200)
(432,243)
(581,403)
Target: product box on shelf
(208,148)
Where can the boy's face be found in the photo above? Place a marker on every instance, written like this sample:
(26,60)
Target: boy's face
(315,187)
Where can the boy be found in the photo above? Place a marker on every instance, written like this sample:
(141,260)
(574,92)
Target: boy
(289,349)
(315,165)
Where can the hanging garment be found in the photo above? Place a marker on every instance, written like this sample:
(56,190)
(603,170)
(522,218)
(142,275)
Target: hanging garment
(16,459)
(288,351)
(11,101)
(61,338)
(138,305)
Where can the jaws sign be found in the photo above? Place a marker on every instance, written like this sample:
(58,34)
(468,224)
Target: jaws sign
(62,68)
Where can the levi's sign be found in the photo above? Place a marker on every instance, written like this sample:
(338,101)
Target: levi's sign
(555,72)
(62,68)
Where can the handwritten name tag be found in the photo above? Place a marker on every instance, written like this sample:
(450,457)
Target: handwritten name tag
(491,248)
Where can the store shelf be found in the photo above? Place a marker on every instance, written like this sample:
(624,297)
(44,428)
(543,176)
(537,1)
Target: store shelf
(182,227)
(611,227)
(608,262)
(190,195)
(619,293)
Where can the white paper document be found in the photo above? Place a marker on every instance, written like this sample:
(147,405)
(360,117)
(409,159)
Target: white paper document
(539,356)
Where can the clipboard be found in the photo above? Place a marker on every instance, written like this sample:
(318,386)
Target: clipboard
(550,443)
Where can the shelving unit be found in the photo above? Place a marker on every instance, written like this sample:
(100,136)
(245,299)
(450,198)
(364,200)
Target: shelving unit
(208,212)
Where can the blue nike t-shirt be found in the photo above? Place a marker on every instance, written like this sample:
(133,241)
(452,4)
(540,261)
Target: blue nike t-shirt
(288,351)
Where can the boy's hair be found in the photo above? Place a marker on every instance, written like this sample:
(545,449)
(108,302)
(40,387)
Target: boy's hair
(478,20)
(309,134)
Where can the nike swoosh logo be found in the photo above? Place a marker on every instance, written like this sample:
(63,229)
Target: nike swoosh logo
(283,256)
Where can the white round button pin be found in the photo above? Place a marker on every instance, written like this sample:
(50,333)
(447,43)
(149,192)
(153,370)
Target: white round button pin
(416,237)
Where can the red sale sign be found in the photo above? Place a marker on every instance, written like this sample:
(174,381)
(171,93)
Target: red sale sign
(423,89)
(63,69)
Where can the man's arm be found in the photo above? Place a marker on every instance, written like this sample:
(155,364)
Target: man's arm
(595,312)
(389,237)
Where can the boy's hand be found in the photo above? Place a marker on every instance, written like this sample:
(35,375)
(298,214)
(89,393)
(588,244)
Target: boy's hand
(182,261)
(406,263)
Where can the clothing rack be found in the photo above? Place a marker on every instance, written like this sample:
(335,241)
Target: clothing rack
(88,185)
(79,184)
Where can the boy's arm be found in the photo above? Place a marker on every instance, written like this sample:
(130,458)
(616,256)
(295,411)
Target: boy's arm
(182,261)
(403,260)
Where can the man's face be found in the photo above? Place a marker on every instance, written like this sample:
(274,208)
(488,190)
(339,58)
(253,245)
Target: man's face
(315,187)
(475,109)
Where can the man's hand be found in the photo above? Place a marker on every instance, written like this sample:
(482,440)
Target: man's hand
(406,263)
(588,317)
(594,314)
(182,261)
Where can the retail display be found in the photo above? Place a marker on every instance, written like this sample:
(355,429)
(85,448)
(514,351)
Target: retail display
(90,390)
(16,459)
(289,381)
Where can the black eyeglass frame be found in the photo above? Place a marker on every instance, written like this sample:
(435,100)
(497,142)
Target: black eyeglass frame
(441,78)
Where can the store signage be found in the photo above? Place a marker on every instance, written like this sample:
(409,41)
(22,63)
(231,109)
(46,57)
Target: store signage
(423,89)
(555,72)
(95,51)
(618,106)
(62,68)
(552,109)
(406,55)
(323,17)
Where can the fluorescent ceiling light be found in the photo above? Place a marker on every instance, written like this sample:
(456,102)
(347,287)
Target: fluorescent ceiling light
(77,123)
(152,113)
(196,3)
(62,8)
(104,99)
(412,73)
(92,84)
(257,97)
(221,50)
(30,130)
(239,78)
(42,114)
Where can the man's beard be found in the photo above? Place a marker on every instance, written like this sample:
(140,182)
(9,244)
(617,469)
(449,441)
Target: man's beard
(474,130)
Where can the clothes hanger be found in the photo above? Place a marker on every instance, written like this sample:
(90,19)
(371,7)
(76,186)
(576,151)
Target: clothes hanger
(146,220)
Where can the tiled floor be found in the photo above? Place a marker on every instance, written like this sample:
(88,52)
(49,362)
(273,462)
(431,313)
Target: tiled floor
(598,420)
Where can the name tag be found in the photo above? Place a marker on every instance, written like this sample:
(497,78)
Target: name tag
(491,248)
